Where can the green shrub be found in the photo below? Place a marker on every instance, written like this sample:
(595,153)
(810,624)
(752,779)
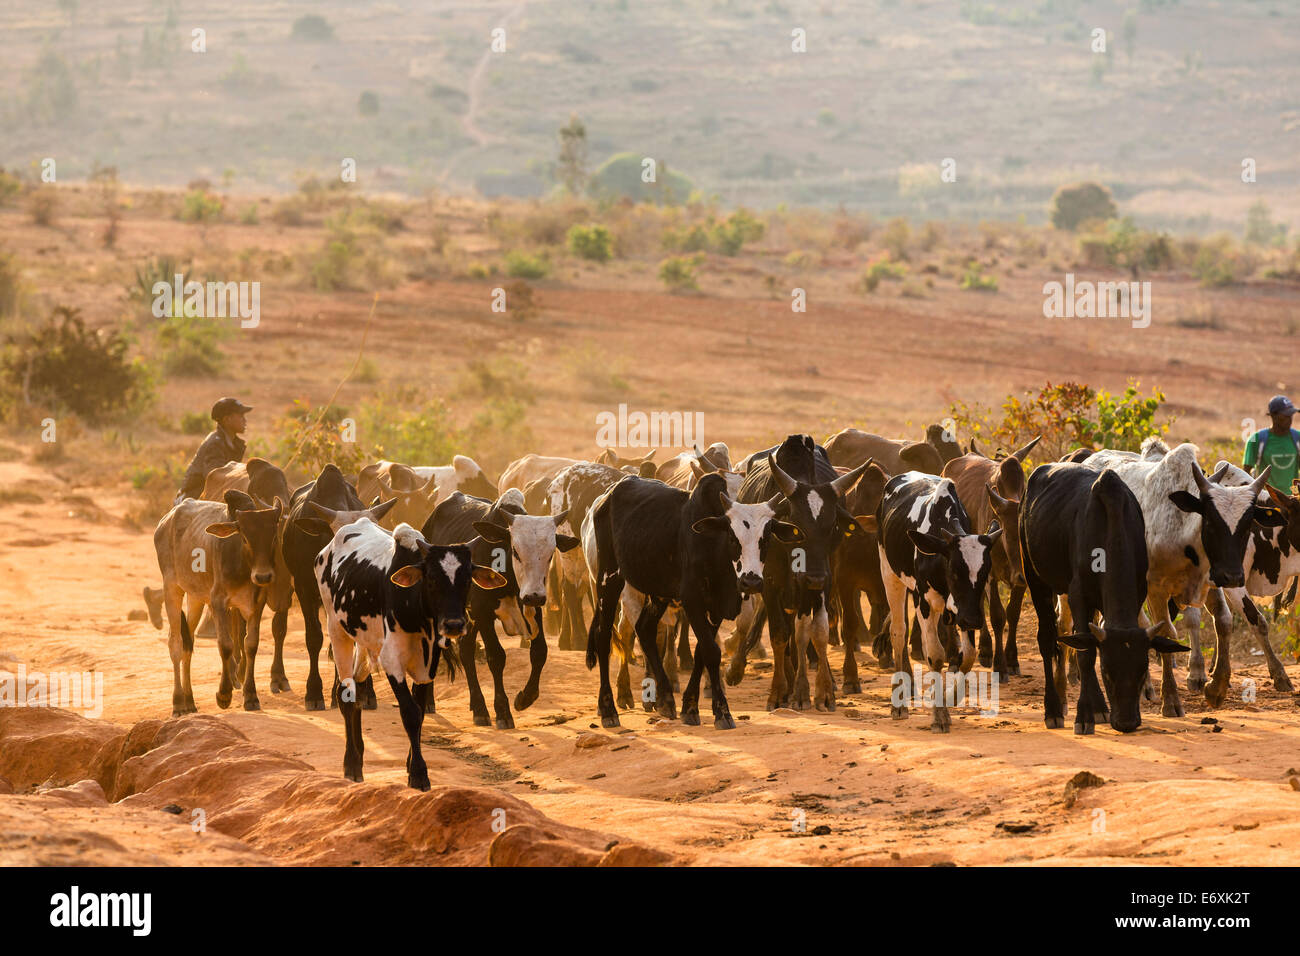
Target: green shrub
(728,236)
(974,279)
(1218,264)
(895,238)
(1077,203)
(678,273)
(313,28)
(521,265)
(201,206)
(10,187)
(84,371)
(881,268)
(368,103)
(591,242)
(43,205)
(150,273)
(190,346)
(195,423)
(11,284)
(619,177)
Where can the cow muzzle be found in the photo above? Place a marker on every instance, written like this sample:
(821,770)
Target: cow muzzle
(453,628)
(263,578)
(750,583)
(533,600)
(1228,579)
(814,582)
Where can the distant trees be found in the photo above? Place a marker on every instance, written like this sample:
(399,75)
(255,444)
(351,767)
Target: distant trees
(571,167)
(1075,204)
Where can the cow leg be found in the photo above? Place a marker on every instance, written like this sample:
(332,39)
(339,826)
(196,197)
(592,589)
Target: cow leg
(736,670)
(417,774)
(1015,602)
(707,655)
(801,699)
(997,622)
(1196,660)
(625,641)
(608,588)
(667,638)
(496,660)
(180,646)
(237,630)
(1216,691)
(466,645)
(834,615)
(901,682)
(309,603)
(346,655)
(1170,704)
(1259,623)
(1045,607)
(852,630)
(220,615)
(536,661)
(647,634)
(252,635)
(557,608)
(778,628)
(817,630)
(929,614)
(279,629)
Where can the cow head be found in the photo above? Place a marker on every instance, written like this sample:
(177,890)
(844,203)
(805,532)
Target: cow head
(531,540)
(1123,653)
(324,522)
(259,533)
(443,574)
(470,478)
(816,510)
(746,530)
(1011,477)
(612,458)
(702,465)
(414,497)
(1227,515)
(940,439)
(966,560)
(1289,507)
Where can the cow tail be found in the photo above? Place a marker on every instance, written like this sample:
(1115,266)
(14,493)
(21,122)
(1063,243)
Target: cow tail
(449,657)
(187,639)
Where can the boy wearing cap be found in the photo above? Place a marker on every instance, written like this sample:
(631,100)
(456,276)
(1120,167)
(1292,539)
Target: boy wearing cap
(1278,446)
(223,445)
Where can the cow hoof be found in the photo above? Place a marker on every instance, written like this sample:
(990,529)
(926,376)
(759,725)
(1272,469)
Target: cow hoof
(1172,708)
(1282,683)
(647,704)
(942,723)
(986,659)
(825,704)
(625,702)
(252,703)
(609,720)
(223,701)
(1013,669)
(773,703)
(691,716)
(1054,723)
(418,783)
(1084,730)
(735,675)
(1149,692)
(898,713)
(355,777)
(802,704)
(667,707)
(481,719)
(279,685)
(1196,683)
(318,704)
(851,686)
(1215,695)
(431,705)
(505,722)
(525,699)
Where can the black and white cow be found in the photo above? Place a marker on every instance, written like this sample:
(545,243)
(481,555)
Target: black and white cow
(808,493)
(317,510)
(698,548)
(928,550)
(1082,535)
(504,537)
(402,601)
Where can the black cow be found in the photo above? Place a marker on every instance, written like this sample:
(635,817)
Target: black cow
(519,546)
(1082,535)
(394,598)
(808,493)
(698,548)
(927,549)
(316,510)
(570,495)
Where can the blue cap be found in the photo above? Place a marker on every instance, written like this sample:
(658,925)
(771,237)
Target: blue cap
(1280,405)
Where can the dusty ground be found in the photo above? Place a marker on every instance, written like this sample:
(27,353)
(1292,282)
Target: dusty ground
(872,790)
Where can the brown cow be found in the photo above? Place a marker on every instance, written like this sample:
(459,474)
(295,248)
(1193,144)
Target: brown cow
(264,482)
(991,490)
(851,447)
(522,472)
(222,555)
(386,480)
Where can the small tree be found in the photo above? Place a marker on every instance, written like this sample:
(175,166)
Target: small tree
(571,167)
(1079,202)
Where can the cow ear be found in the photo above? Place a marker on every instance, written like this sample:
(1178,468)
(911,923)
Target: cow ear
(487,579)
(1279,498)
(222,529)
(492,532)
(714,523)
(786,532)
(868,523)
(313,526)
(846,524)
(565,542)
(925,543)
(1164,645)
(408,576)
(1269,517)
(1186,501)
(1080,642)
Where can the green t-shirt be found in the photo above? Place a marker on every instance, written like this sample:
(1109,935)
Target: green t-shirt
(1279,452)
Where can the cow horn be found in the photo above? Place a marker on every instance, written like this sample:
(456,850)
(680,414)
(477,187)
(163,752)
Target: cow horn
(1019,454)
(974,449)
(559,519)
(507,518)
(1219,472)
(1199,477)
(385,485)
(843,483)
(430,486)
(997,499)
(784,482)
(723,501)
(1259,482)
(326,514)
(377,511)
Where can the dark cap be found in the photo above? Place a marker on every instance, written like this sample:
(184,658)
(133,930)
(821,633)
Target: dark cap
(228,406)
(1280,405)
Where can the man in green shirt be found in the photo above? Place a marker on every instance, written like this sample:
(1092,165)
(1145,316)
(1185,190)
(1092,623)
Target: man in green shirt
(1280,446)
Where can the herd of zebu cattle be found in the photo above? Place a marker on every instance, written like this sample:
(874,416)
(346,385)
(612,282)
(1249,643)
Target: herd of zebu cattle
(790,538)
